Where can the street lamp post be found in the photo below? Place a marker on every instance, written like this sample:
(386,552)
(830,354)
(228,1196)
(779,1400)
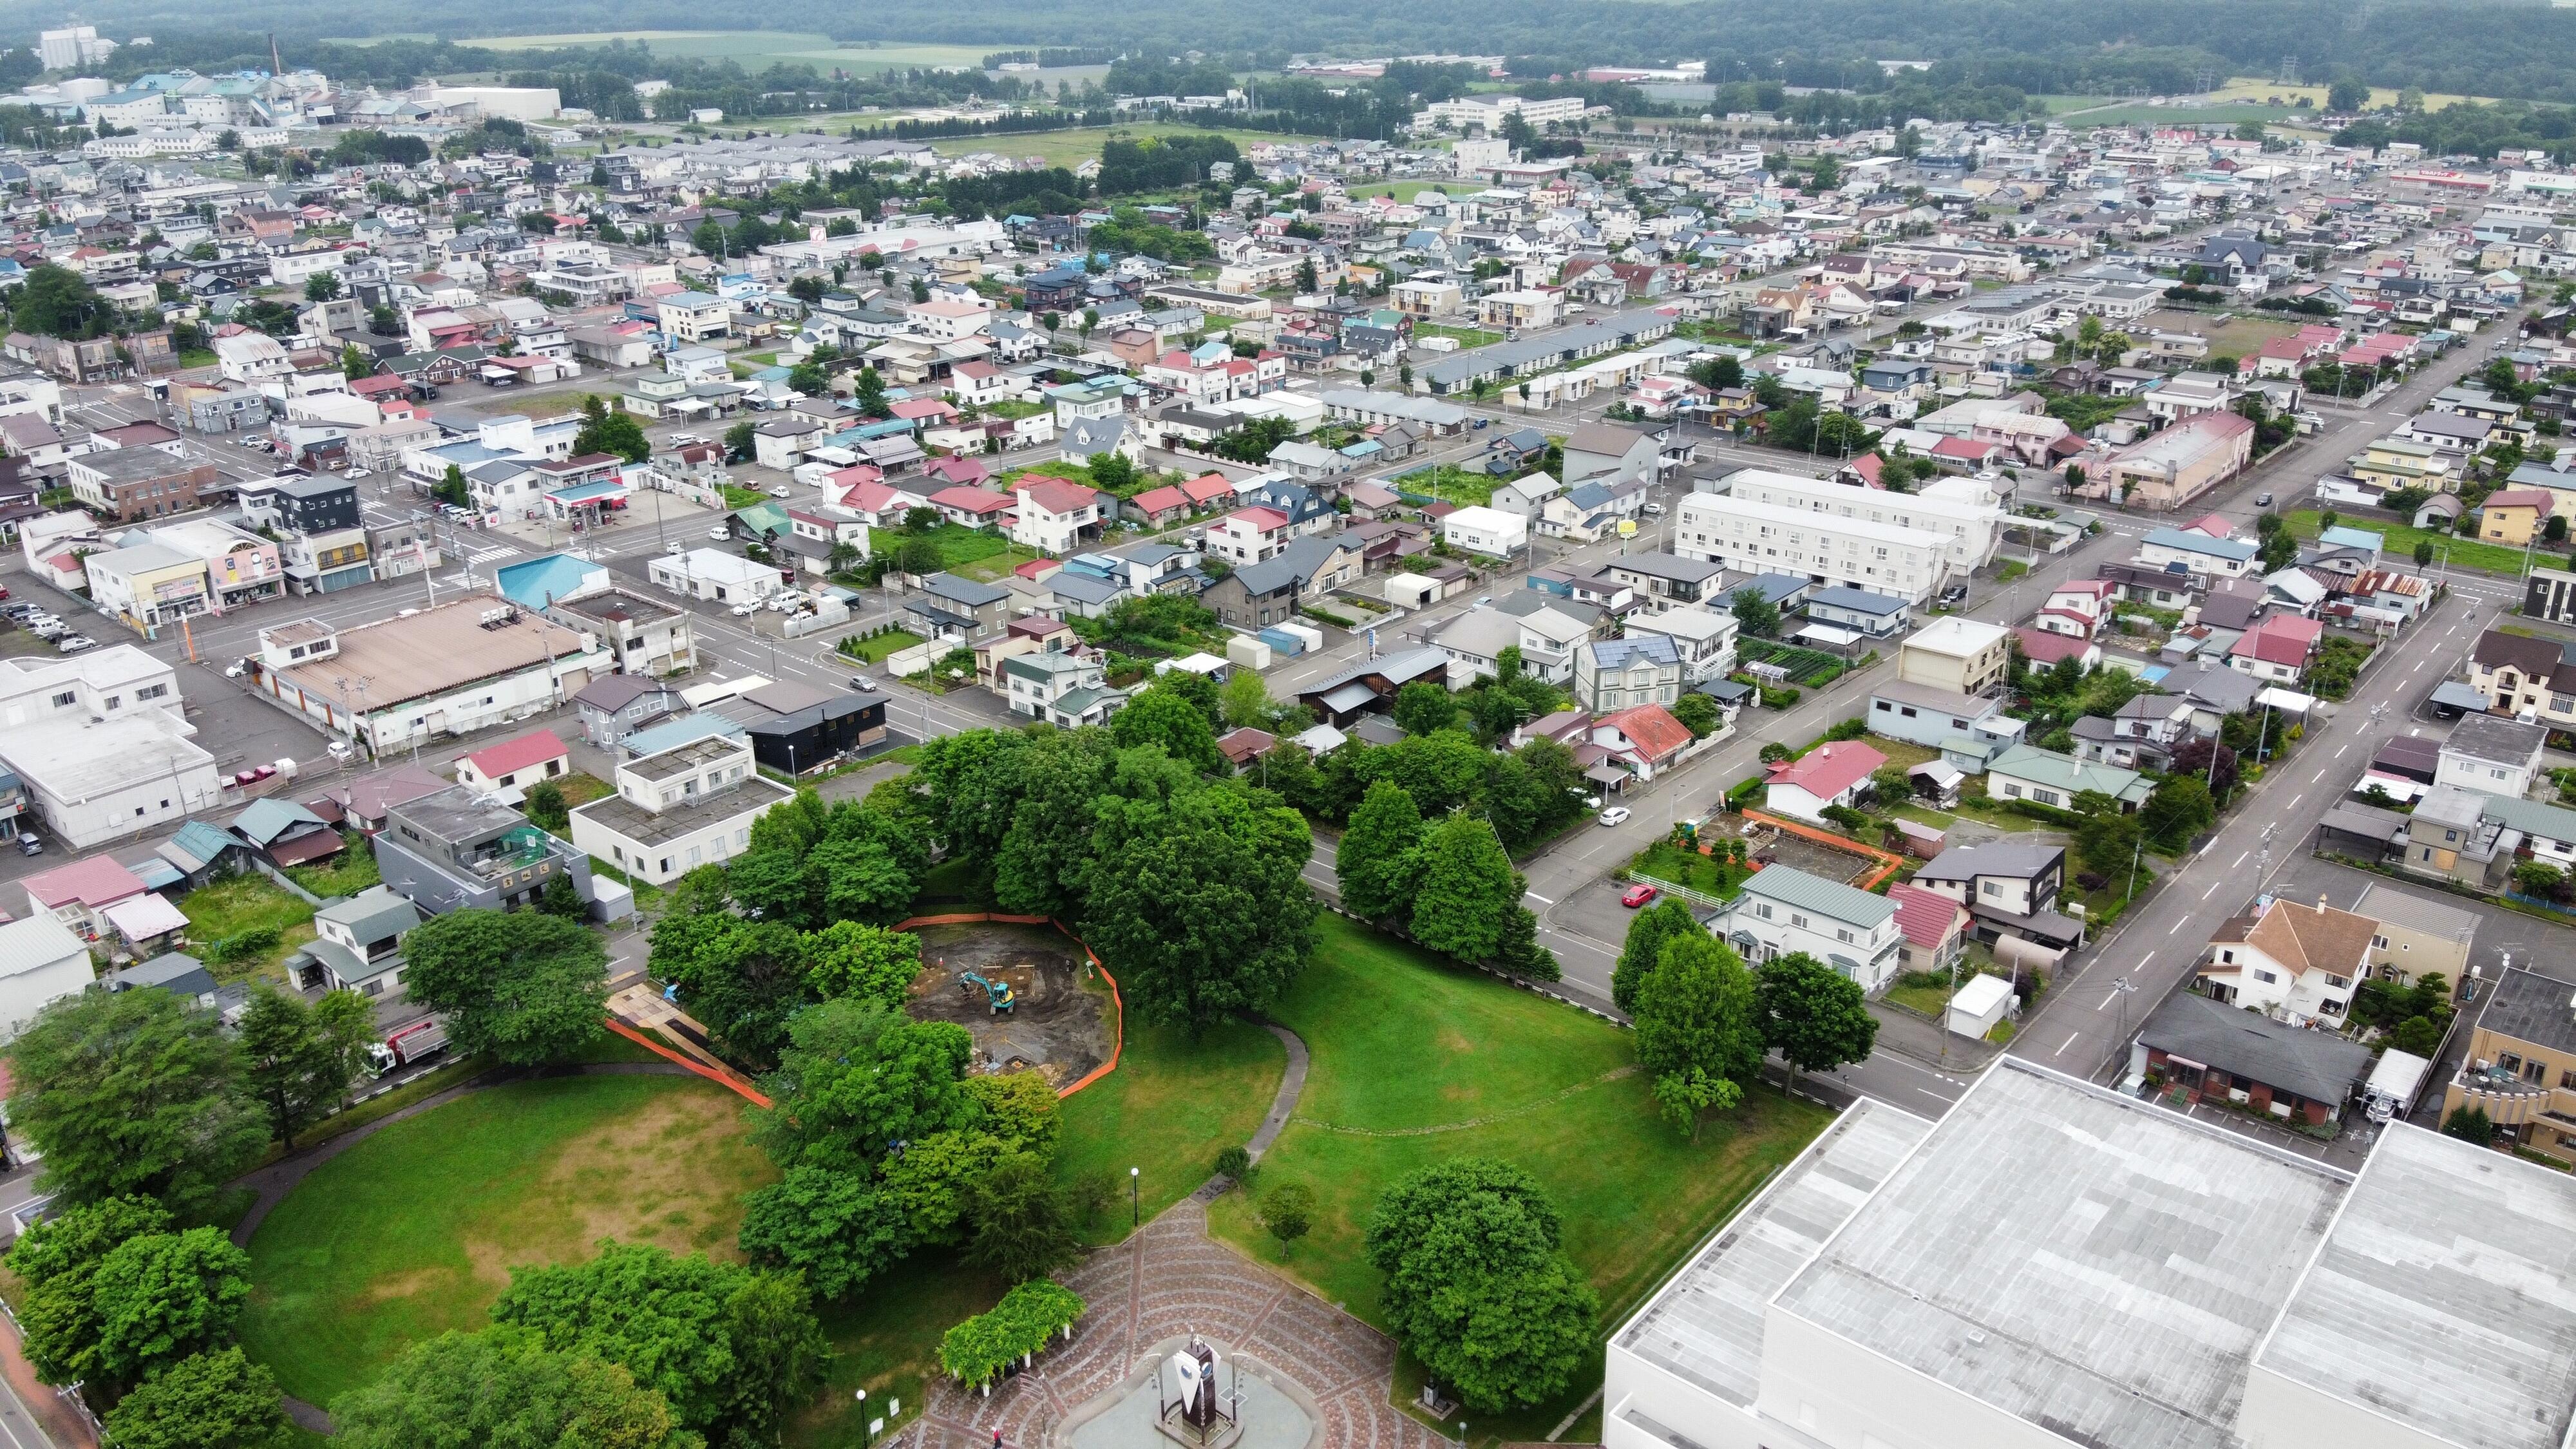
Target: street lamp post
(1135,1197)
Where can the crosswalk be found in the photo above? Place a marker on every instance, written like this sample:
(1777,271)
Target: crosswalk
(489,554)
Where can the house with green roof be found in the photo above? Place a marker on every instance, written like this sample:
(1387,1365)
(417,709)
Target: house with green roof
(1781,910)
(2045,777)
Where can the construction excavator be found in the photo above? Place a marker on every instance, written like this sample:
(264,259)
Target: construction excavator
(997,994)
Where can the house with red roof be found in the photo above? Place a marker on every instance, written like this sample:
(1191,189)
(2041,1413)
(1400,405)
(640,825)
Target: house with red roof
(1935,928)
(944,472)
(1055,515)
(921,410)
(506,770)
(77,894)
(2077,608)
(1250,535)
(2043,649)
(974,507)
(1641,740)
(1208,490)
(1159,506)
(1833,773)
(2278,648)
(2211,525)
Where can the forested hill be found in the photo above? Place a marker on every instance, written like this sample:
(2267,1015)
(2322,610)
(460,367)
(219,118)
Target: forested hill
(2521,50)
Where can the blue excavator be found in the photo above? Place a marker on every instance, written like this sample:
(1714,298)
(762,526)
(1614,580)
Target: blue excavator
(997,994)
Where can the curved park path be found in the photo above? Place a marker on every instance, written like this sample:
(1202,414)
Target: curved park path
(273,1182)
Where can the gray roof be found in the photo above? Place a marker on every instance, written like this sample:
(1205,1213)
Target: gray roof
(2530,1007)
(2222,689)
(2394,907)
(1621,653)
(959,590)
(2313,1064)
(1858,601)
(372,914)
(1825,897)
(1548,348)
(2445,1297)
(1706,1325)
(2494,738)
(2002,858)
(1666,566)
(1292,566)
(2118,1301)
(1939,701)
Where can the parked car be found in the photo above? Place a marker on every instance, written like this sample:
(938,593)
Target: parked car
(237,669)
(781,491)
(358,473)
(745,609)
(1955,594)
(28,844)
(1616,815)
(75,643)
(2263,500)
(1638,895)
(675,549)
(719,533)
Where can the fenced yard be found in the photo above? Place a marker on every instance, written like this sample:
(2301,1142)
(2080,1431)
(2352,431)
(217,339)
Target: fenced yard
(1805,667)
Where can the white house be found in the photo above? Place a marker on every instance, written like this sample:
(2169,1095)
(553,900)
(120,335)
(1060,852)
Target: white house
(505,770)
(712,574)
(1783,910)
(2491,754)
(679,809)
(41,961)
(1835,773)
(2296,962)
(1704,638)
(1486,531)
(1053,514)
(695,317)
(2197,553)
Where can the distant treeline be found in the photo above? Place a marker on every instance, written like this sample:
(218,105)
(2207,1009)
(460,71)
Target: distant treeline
(2523,50)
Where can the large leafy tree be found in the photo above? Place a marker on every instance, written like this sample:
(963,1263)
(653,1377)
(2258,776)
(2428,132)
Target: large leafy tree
(2179,809)
(680,1325)
(1380,854)
(743,979)
(1021,1226)
(57,1263)
(503,1387)
(810,864)
(132,1092)
(1164,714)
(1201,901)
(1477,1286)
(299,1060)
(1666,920)
(610,430)
(1699,1028)
(854,959)
(218,1400)
(1816,1017)
(1041,859)
(55,301)
(160,1297)
(833,1227)
(524,986)
(1468,887)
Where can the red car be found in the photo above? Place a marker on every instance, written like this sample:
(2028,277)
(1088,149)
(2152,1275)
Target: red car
(1638,895)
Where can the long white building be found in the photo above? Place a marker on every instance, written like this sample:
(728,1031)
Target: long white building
(1770,538)
(1960,507)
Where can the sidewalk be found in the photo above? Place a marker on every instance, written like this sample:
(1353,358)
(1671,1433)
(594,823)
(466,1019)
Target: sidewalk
(1908,1035)
(61,1424)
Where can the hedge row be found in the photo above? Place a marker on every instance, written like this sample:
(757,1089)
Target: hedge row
(986,1344)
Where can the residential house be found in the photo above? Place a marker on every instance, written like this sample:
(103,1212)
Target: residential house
(617,705)
(2519,1067)
(1613,674)
(1782,910)
(684,807)
(2011,889)
(2492,754)
(1059,688)
(956,610)
(2212,1052)
(2289,960)
(356,945)
(1255,596)
(505,770)
(1704,638)
(1056,517)
(1833,773)
(285,833)
(1922,715)
(40,962)
(2278,648)
(2418,936)
(2514,516)
(2526,676)
(1636,744)
(1957,655)
(1934,928)
(2045,777)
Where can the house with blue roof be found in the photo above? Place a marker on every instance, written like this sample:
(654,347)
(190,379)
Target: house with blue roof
(2182,550)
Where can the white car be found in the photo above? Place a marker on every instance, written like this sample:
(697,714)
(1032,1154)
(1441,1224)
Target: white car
(719,533)
(357,473)
(75,643)
(1616,815)
(781,491)
(787,602)
(745,609)
(675,549)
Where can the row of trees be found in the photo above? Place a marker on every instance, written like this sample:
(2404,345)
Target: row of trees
(1449,884)
(1704,1022)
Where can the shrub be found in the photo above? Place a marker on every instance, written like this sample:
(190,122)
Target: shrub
(984,1345)
(1236,1163)
(1850,729)
(242,946)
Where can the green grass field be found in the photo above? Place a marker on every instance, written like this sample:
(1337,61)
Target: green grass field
(345,874)
(1170,1107)
(247,902)
(1406,190)
(413,1231)
(2465,553)
(1416,1063)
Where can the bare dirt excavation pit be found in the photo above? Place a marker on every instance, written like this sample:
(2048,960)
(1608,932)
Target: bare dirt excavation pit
(1059,1023)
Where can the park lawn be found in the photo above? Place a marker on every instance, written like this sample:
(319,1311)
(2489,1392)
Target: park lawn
(1169,1108)
(1415,1063)
(246,902)
(413,1231)
(2400,540)
(1448,483)
(886,1340)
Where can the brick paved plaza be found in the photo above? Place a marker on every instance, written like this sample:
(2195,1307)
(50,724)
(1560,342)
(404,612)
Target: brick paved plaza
(1165,1282)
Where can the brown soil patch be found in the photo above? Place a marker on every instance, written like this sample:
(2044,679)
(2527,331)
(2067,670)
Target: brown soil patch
(1061,1025)
(647,1178)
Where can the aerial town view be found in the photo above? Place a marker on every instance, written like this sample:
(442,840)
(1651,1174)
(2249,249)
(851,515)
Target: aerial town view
(1712,724)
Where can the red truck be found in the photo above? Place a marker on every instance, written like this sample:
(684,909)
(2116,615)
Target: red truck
(414,1043)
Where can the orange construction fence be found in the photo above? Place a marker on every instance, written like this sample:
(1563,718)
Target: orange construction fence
(728,1080)
(1117,1003)
(1888,864)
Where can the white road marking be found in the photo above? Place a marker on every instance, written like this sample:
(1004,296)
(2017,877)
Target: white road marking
(2239,860)
(1542,900)
(2213,889)
(2319,775)
(2062,1046)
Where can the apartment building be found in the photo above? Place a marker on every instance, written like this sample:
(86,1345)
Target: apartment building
(458,849)
(674,811)
(2520,1068)
(1963,508)
(127,485)
(1757,538)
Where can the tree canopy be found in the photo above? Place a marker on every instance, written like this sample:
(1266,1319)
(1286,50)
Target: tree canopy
(504,1387)
(132,1092)
(524,986)
(1477,1286)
